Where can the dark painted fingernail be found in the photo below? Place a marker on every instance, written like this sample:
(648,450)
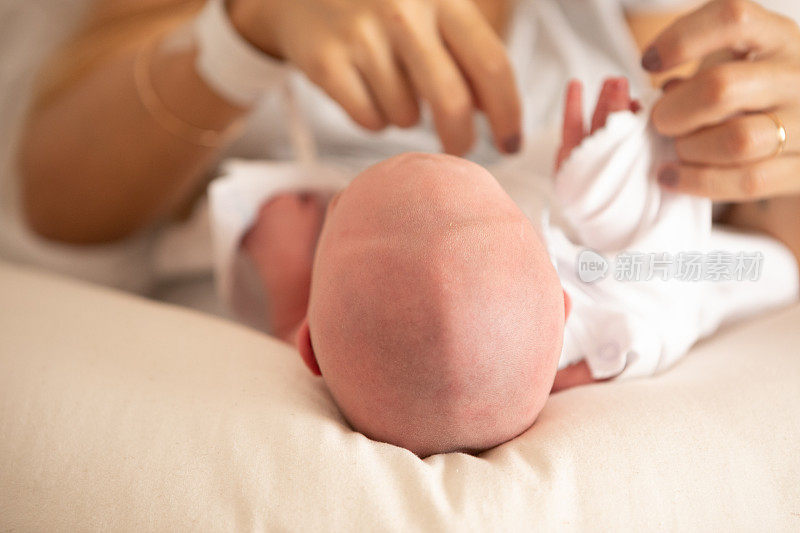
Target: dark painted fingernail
(651,60)
(636,106)
(511,145)
(668,177)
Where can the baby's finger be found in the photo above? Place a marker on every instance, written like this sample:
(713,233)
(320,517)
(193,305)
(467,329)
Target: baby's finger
(614,96)
(573,133)
(619,97)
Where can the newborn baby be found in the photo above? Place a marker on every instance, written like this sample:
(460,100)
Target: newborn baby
(434,310)
(435,313)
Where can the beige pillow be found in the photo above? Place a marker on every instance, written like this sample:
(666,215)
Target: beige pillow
(117,413)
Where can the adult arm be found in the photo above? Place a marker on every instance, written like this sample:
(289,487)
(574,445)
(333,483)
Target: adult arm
(97,167)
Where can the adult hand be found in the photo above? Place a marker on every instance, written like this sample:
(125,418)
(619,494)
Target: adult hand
(377,58)
(727,118)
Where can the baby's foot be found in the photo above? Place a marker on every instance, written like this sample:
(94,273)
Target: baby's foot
(281,243)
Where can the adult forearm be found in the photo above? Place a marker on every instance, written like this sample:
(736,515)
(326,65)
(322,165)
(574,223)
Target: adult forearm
(98,164)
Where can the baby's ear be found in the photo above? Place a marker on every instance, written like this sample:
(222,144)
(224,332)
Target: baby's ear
(567,305)
(305,348)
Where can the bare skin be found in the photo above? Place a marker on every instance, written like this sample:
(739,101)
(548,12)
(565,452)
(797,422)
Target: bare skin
(416,289)
(281,245)
(726,143)
(88,123)
(426,277)
(377,58)
(87,99)
(750,65)
(284,237)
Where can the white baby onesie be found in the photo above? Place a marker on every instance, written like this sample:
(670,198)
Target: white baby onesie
(613,208)
(234,202)
(646,273)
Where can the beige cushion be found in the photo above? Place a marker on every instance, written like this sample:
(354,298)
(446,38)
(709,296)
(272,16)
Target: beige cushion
(119,413)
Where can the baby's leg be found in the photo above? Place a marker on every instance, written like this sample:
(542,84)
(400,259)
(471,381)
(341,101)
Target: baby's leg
(281,244)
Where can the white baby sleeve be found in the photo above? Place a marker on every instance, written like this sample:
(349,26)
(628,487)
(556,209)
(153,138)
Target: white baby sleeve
(608,193)
(236,197)
(630,322)
(605,189)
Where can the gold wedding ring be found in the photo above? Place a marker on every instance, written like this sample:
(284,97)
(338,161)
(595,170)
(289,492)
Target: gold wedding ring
(781,133)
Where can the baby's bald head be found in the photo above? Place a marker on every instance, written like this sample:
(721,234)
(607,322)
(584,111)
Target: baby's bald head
(435,314)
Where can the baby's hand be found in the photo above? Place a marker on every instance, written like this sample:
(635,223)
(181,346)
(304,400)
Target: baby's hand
(281,244)
(615,96)
(573,376)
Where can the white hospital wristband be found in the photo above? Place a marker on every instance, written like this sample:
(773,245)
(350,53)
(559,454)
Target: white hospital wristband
(231,66)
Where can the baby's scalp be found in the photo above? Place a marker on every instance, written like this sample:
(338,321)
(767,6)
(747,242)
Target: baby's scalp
(435,316)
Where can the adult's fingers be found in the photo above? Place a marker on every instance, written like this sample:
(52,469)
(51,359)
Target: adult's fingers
(614,96)
(434,74)
(772,177)
(716,94)
(742,139)
(390,88)
(338,77)
(483,59)
(573,131)
(741,26)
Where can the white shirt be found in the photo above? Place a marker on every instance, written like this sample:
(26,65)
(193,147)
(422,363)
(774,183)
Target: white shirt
(549,41)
